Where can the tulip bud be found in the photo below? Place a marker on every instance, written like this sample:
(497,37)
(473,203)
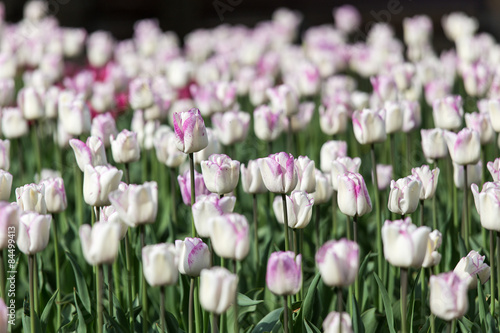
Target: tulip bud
(5,185)
(220,173)
(347,19)
(213,147)
(194,255)
(324,189)
(283,99)
(50,101)
(384,88)
(457,25)
(160,264)
(428,178)
(208,206)
(353,198)
(99,48)
(333,119)
(73,40)
(470,266)
(33,233)
(393,117)
(384,176)
(412,116)
(140,94)
(13,123)
(432,256)
(404,243)
(342,165)
(284,273)
(7,90)
(331,323)
(258,88)
(231,126)
(299,209)
(369,126)
(90,153)
(494,169)
(306,180)
(494,110)
(110,215)
(125,147)
(474,173)
(488,204)
(190,131)
(464,147)
(74,115)
(434,144)
(100,242)
(404,195)
(448,296)
(30,103)
(448,112)
(81,84)
(166,151)
(268,125)
(217,289)
(4,155)
(55,195)
(98,182)
(279,172)
(30,197)
(330,151)
(230,236)
(103,96)
(303,118)
(137,204)
(477,77)
(9,218)
(185,186)
(338,262)
(480,122)
(103,126)
(251,178)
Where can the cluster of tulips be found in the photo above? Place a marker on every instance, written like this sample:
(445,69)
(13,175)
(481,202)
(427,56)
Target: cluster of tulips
(133,124)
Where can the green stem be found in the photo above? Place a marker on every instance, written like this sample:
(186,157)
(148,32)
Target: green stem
(334,215)
(162,310)
(110,291)
(144,288)
(289,136)
(433,323)
(255,232)
(355,227)
(421,212)
(404,291)
(316,226)
(285,222)
(190,305)
(127,173)
(422,293)
(78,188)
(193,194)
(466,210)
(100,318)
(391,155)
(285,316)
(35,283)
(434,217)
(452,326)
(235,305)
(36,143)
(492,273)
(32,291)
(116,283)
(380,255)
(348,228)
(58,275)
(20,158)
(408,152)
(130,278)
(173,194)
(197,312)
(498,265)
(339,307)
(215,320)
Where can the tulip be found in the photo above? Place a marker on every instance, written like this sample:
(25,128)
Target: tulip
(284,273)
(140,94)
(185,186)
(412,116)
(217,289)
(73,40)
(55,195)
(90,153)
(330,151)
(125,147)
(369,126)
(30,197)
(103,126)
(299,209)
(194,256)
(190,131)
(9,218)
(225,93)
(404,243)
(279,172)
(437,89)
(477,78)
(251,178)
(258,89)
(404,195)
(30,103)
(324,189)
(229,235)
(470,266)
(178,72)
(494,169)
(448,296)
(268,125)
(480,122)
(231,126)
(417,30)
(4,155)
(81,84)
(50,101)
(347,19)
(342,165)
(474,173)
(384,176)
(403,74)
(208,206)
(220,173)
(338,262)
(448,112)
(7,90)
(432,256)
(333,119)
(494,110)
(464,147)
(302,119)
(160,264)
(457,25)
(306,180)
(100,242)
(4,316)
(488,204)
(33,233)
(5,185)
(110,215)
(98,182)
(434,144)
(103,96)
(13,123)
(393,117)
(353,198)
(384,88)
(205,98)
(283,99)
(137,204)
(166,151)
(428,178)
(100,46)
(74,115)
(213,147)
(331,323)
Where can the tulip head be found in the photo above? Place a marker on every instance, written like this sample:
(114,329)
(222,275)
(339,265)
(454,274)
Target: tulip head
(229,235)
(428,178)
(194,256)
(404,195)
(284,274)
(98,182)
(33,233)
(448,296)
(208,206)
(353,198)
(369,126)
(190,131)
(220,173)
(125,147)
(464,146)
(160,265)
(338,262)
(472,266)
(55,195)
(299,209)
(251,178)
(432,256)
(217,289)
(279,172)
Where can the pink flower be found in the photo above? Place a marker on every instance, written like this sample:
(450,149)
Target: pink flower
(268,125)
(104,126)
(284,274)
(347,18)
(338,262)
(279,172)
(208,206)
(448,296)
(353,198)
(190,131)
(464,147)
(185,186)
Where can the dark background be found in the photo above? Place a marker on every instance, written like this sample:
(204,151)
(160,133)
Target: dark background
(183,16)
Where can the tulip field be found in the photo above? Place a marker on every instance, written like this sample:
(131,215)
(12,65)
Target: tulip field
(249,179)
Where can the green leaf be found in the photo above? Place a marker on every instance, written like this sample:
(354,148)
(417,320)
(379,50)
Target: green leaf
(308,304)
(357,323)
(244,300)
(310,328)
(387,304)
(81,286)
(82,327)
(370,320)
(46,311)
(268,322)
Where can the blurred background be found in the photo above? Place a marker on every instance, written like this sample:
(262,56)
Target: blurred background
(183,16)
